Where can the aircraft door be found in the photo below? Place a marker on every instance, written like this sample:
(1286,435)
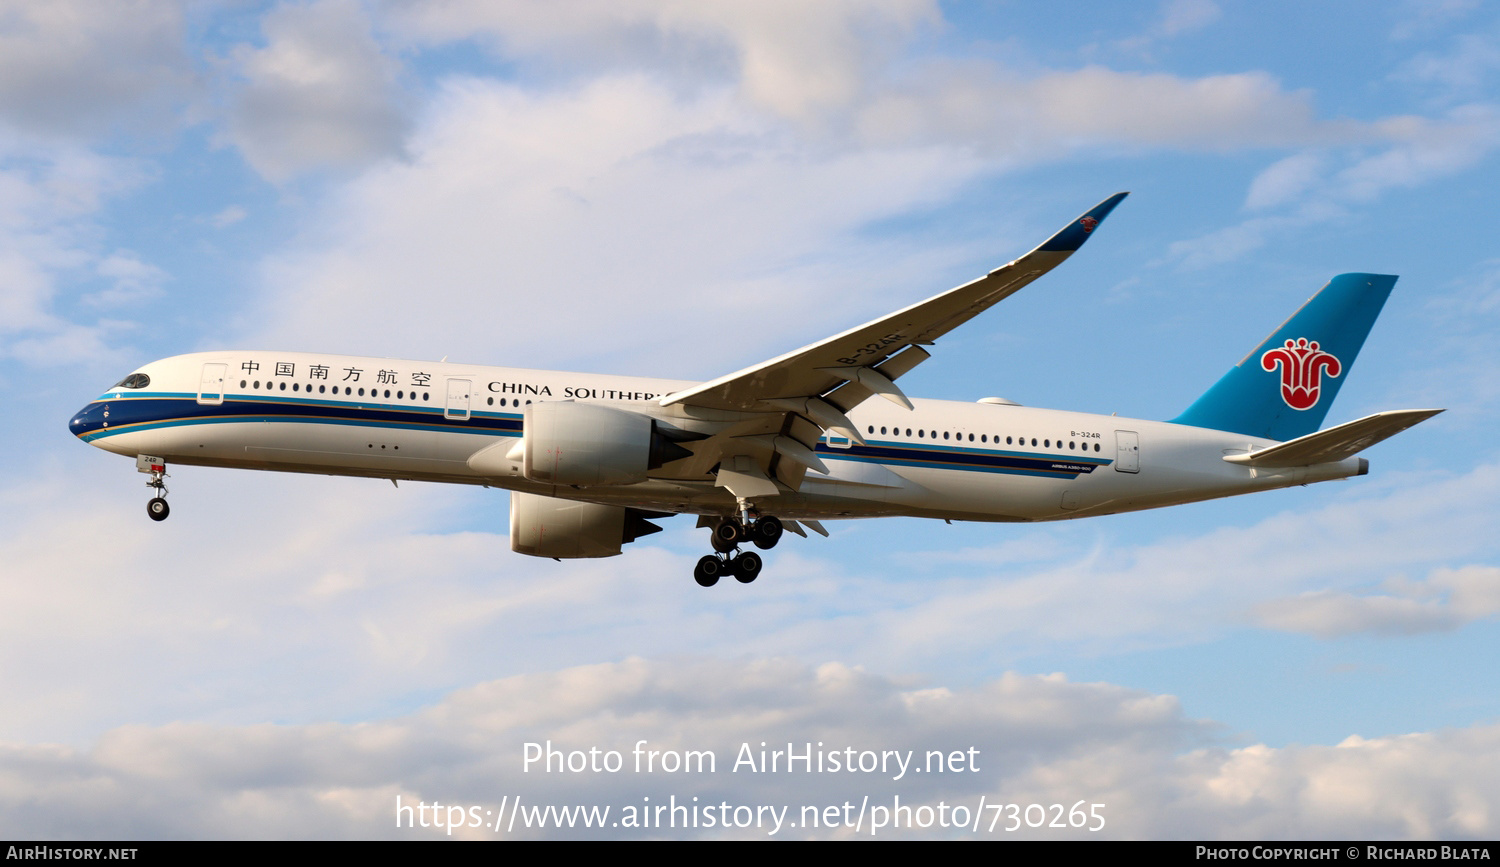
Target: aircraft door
(457,406)
(1127,451)
(211,384)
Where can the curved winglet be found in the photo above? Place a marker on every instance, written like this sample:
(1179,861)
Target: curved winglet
(1075,233)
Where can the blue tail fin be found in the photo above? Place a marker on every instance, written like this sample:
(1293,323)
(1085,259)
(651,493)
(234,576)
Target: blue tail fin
(1283,388)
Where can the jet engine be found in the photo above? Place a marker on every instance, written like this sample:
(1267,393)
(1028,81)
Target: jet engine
(567,443)
(568,530)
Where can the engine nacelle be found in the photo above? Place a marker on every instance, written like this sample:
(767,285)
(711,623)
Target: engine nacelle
(569,530)
(582,444)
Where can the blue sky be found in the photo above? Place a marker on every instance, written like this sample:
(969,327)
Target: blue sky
(679,190)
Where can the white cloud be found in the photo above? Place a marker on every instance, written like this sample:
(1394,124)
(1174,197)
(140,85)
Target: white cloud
(798,60)
(603,213)
(1186,16)
(1423,150)
(133,281)
(844,77)
(416,590)
(27,288)
(1462,73)
(1059,114)
(1022,740)
(77,67)
(228,217)
(518,203)
(1450,598)
(1411,151)
(832,67)
(320,93)
(1421,786)
(1177,590)
(1174,18)
(1424,17)
(50,199)
(1284,180)
(1462,368)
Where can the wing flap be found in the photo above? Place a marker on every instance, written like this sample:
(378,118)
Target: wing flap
(745,479)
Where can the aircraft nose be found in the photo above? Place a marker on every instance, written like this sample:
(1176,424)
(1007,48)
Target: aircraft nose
(88,419)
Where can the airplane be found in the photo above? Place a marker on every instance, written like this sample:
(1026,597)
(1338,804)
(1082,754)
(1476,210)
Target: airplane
(591,460)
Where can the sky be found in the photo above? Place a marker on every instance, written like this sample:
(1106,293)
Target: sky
(678,190)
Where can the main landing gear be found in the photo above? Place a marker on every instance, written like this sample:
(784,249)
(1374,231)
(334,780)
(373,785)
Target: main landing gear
(728,534)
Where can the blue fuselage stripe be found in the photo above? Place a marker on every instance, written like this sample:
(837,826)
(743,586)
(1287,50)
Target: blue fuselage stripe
(148,412)
(139,412)
(967,459)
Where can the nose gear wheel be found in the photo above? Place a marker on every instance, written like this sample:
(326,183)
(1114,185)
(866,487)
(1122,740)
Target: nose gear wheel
(157,506)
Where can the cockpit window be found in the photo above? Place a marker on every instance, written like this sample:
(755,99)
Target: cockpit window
(134,380)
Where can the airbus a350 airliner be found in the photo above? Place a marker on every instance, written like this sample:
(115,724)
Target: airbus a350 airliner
(590,460)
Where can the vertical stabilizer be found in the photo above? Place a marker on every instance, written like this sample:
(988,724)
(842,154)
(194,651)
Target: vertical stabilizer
(1284,387)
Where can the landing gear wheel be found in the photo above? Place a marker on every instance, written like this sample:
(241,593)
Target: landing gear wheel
(158,509)
(746,567)
(727,534)
(708,570)
(766,532)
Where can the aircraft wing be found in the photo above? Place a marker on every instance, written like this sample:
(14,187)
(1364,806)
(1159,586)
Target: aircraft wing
(866,357)
(797,396)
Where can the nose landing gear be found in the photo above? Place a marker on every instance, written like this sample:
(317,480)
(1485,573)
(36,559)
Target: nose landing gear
(157,506)
(764,532)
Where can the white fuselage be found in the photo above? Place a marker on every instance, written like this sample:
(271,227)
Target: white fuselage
(388,418)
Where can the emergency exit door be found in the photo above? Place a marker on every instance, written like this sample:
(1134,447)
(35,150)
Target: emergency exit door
(457,405)
(1127,451)
(211,384)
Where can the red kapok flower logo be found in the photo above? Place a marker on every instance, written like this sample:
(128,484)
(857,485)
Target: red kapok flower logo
(1302,365)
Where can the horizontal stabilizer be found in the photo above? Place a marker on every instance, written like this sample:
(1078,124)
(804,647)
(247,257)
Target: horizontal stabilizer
(1336,443)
